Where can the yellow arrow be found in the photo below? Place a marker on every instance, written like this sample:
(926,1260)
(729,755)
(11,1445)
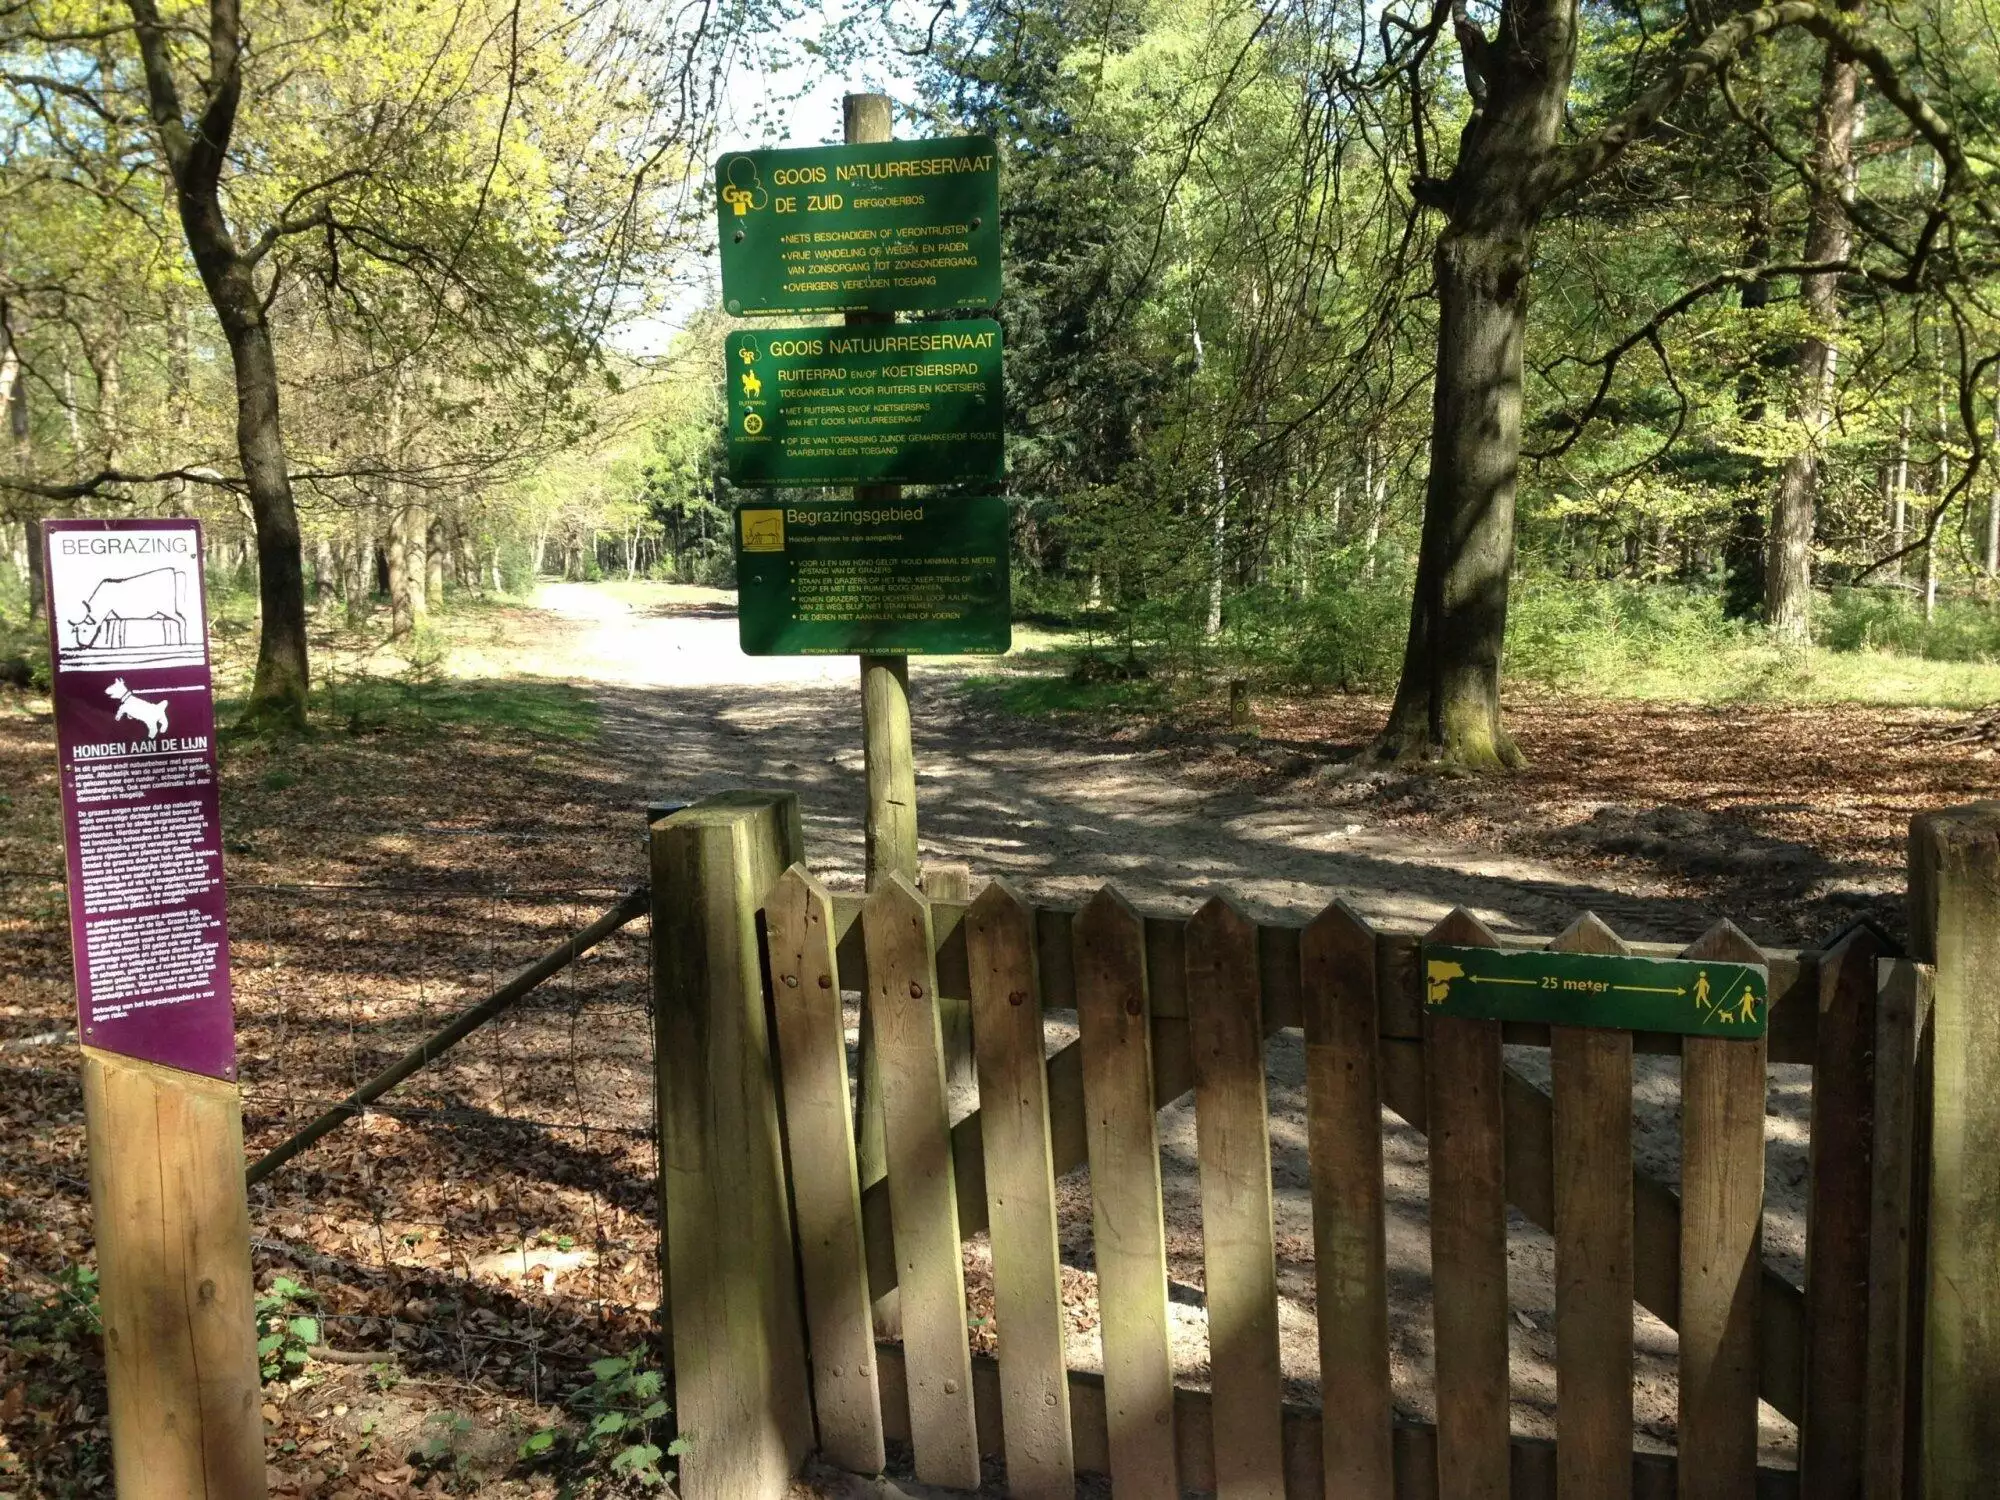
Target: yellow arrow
(1647,989)
(1488,979)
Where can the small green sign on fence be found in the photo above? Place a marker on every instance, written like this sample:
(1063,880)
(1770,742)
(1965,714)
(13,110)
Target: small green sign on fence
(851,577)
(1689,996)
(904,226)
(907,403)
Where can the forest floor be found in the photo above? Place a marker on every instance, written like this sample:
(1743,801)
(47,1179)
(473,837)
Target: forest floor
(472,1249)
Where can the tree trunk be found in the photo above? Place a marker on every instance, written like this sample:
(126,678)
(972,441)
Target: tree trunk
(14,402)
(195,156)
(1992,558)
(407,575)
(1448,701)
(357,581)
(180,398)
(1743,547)
(1788,563)
(435,545)
(279,687)
(323,571)
(1899,496)
(1217,545)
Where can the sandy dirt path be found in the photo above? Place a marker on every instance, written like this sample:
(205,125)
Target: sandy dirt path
(686,714)
(1058,814)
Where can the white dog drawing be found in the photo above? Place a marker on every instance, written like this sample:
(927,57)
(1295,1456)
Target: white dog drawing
(131,706)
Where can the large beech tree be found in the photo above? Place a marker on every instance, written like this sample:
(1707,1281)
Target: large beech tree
(1349,204)
(1513,167)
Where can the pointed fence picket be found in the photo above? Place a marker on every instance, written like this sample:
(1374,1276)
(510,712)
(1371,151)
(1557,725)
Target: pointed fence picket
(1168,1005)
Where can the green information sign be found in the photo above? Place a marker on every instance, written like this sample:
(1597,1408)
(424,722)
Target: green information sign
(1690,996)
(908,403)
(844,577)
(905,226)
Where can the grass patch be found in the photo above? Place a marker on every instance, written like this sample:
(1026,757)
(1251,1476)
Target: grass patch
(1046,689)
(533,708)
(525,707)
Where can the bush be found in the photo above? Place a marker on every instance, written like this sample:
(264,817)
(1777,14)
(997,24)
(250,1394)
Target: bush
(1348,635)
(1568,631)
(1892,619)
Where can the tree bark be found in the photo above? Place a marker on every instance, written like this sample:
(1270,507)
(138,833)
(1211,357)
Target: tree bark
(1991,560)
(323,571)
(180,397)
(195,154)
(1447,704)
(1788,561)
(436,544)
(1899,496)
(407,605)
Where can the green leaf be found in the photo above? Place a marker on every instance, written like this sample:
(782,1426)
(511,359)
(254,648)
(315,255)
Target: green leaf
(677,1447)
(269,1343)
(305,1330)
(654,1412)
(605,1369)
(607,1423)
(637,1459)
(538,1442)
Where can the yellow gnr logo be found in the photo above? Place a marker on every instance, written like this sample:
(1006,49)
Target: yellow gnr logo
(742,191)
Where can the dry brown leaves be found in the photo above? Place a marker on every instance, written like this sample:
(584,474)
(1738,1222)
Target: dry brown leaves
(1790,819)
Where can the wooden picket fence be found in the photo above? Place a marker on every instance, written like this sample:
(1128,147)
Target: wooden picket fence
(1169,1005)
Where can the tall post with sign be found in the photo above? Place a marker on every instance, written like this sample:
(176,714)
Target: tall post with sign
(888,756)
(135,734)
(868,229)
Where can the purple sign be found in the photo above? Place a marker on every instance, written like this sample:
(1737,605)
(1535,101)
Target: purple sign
(135,731)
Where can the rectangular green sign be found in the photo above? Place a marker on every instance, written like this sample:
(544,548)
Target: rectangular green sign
(1690,996)
(846,577)
(909,403)
(906,226)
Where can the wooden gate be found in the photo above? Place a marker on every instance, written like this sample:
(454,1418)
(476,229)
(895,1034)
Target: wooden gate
(1165,1005)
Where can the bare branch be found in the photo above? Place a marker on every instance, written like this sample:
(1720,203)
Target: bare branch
(1585,160)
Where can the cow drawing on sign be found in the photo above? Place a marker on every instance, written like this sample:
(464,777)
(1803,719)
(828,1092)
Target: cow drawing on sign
(150,601)
(132,706)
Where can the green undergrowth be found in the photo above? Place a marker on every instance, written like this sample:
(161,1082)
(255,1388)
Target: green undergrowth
(1592,638)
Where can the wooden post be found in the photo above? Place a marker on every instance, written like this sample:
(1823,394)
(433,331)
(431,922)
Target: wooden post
(173,1262)
(889,820)
(729,1273)
(1955,925)
(890,829)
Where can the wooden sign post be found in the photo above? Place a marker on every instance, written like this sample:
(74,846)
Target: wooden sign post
(869,228)
(889,829)
(135,732)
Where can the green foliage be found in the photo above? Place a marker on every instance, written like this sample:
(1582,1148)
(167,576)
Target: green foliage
(286,1328)
(444,1449)
(70,1317)
(1966,630)
(24,650)
(1601,638)
(1564,632)
(1346,632)
(615,1440)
